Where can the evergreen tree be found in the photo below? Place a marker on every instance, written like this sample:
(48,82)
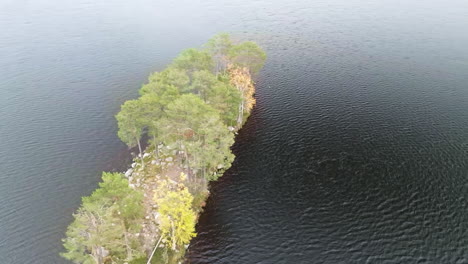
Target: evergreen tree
(102,229)
(192,60)
(249,55)
(195,126)
(131,125)
(219,48)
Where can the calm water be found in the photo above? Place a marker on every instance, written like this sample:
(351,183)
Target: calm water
(357,151)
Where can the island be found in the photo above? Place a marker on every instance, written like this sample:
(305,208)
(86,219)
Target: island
(187,116)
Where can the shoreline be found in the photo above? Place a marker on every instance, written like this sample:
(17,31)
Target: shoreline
(190,113)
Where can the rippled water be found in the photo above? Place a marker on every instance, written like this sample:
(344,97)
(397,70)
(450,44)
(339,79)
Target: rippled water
(357,151)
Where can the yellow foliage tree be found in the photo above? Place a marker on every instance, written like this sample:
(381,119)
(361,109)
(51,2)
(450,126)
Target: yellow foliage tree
(240,77)
(177,219)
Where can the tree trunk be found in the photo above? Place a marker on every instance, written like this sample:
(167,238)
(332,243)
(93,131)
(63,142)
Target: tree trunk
(156,146)
(173,236)
(141,153)
(154,250)
(188,164)
(240,117)
(127,246)
(97,254)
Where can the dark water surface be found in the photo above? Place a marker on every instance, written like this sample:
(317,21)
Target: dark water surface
(357,151)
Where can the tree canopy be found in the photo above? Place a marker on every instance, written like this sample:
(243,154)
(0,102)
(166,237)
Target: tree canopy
(177,218)
(101,231)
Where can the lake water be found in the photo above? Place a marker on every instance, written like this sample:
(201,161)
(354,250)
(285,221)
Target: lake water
(357,150)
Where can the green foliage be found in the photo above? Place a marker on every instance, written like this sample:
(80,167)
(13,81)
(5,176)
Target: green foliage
(152,107)
(130,122)
(186,118)
(197,128)
(114,189)
(219,48)
(192,60)
(225,98)
(101,229)
(219,44)
(167,82)
(202,81)
(248,54)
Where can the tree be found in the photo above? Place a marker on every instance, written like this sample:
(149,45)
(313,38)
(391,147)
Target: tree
(249,55)
(213,154)
(202,81)
(194,126)
(114,189)
(159,82)
(131,125)
(101,231)
(94,236)
(192,60)
(177,219)
(218,93)
(153,109)
(241,79)
(219,48)
(225,98)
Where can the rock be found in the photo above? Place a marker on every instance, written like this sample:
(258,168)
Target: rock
(133,165)
(128,173)
(146,155)
(220,166)
(169,159)
(156,215)
(173,182)
(231,128)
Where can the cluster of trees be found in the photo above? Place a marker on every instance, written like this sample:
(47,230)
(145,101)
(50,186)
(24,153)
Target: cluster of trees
(191,104)
(106,224)
(194,106)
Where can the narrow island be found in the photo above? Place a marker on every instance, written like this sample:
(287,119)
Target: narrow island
(189,113)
